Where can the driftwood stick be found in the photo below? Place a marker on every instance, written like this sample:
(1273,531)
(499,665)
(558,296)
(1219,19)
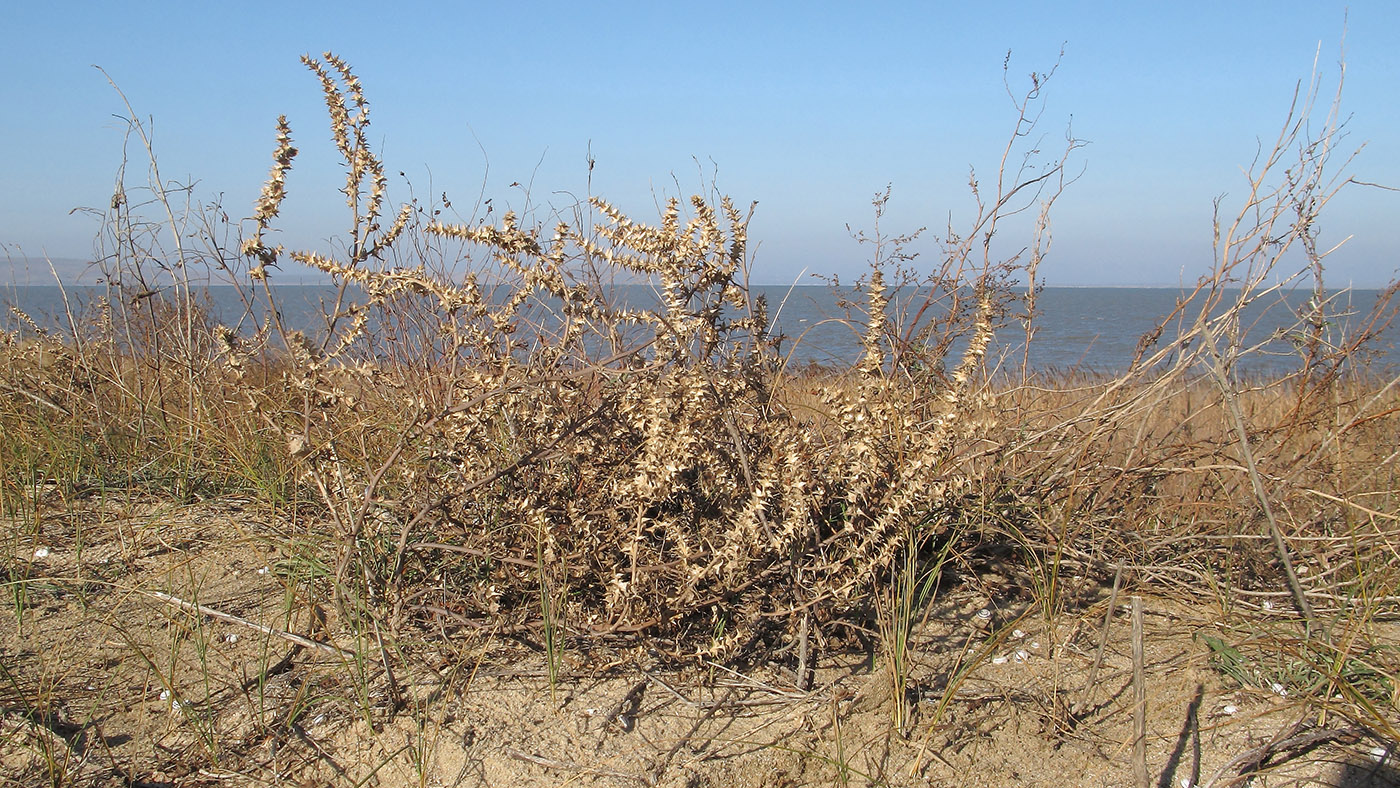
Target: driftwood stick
(1144,780)
(266,630)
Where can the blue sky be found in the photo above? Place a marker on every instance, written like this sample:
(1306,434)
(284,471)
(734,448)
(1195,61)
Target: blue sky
(808,108)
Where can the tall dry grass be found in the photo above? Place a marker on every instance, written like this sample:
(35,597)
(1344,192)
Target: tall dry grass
(482,436)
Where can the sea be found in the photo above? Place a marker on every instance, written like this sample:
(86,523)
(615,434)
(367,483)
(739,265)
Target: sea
(1090,330)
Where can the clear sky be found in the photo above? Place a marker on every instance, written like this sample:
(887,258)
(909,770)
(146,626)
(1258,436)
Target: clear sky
(809,108)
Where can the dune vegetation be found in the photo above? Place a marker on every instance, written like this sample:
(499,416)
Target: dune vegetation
(222,538)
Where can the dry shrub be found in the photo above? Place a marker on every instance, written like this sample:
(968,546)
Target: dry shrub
(494,436)
(479,437)
(1188,453)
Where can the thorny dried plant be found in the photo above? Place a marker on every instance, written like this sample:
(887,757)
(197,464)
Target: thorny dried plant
(497,436)
(676,492)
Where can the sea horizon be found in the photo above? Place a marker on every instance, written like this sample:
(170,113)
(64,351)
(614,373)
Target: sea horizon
(1077,328)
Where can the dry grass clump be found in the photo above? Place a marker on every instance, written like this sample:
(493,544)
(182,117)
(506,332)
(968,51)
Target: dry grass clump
(483,435)
(523,434)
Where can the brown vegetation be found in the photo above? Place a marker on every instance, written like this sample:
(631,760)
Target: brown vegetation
(485,443)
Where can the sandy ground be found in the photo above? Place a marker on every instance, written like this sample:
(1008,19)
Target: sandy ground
(112,677)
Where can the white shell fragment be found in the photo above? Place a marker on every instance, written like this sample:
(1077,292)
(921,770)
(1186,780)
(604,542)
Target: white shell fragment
(999,660)
(41,552)
(1230,709)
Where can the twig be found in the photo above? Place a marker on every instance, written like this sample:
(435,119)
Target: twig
(1227,392)
(709,714)
(1144,780)
(1352,504)
(804,672)
(674,692)
(281,666)
(625,713)
(39,399)
(1103,639)
(266,630)
(756,683)
(454,548)
(551,763)
(1291,738)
